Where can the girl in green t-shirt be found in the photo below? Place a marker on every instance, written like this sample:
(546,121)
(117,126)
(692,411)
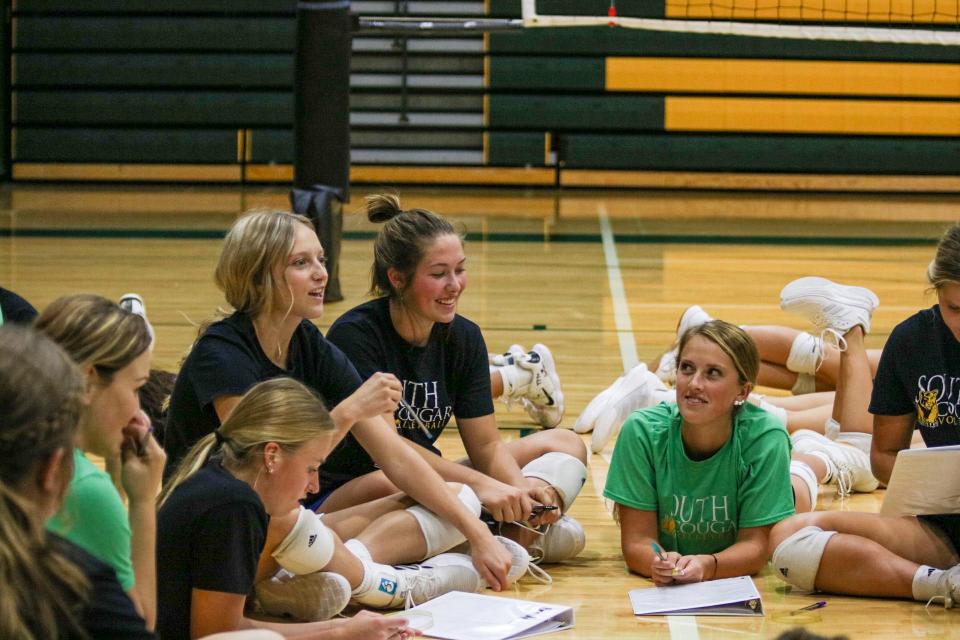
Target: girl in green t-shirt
(706,478)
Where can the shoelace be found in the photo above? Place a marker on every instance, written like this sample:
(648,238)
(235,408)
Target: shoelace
(533,569)
(947,602)
(835,338)
(414,577)
(844,480)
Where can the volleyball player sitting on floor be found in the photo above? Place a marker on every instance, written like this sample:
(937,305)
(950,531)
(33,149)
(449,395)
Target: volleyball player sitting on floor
(271,270)
(52,587)
(412,330)
(214,544)
(895,557)
(112,348)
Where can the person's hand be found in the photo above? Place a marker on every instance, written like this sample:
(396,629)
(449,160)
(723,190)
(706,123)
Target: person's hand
(503,501)
(491,560)
(142,460)
(666,571)
(548,497)
(379,394)
(367,625)
(695,568)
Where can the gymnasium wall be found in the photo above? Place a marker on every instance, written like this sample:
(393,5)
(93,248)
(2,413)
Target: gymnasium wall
(200,90)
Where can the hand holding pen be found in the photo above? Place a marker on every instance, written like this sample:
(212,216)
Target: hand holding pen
(663,569)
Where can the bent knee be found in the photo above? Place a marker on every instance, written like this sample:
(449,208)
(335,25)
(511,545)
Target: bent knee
(567,441)
(789,526)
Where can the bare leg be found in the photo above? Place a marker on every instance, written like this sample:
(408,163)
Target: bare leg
(371,486)
(804,402)
(496,384)
(537,444)
(776,376)
(774,343)
(811,419)
(348,523)
(854,386)
(817,464)
(802,500)
(872,555)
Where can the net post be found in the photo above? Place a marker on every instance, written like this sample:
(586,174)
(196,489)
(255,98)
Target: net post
(321,176)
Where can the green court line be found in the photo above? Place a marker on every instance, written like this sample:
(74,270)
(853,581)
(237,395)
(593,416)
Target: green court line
(580,238)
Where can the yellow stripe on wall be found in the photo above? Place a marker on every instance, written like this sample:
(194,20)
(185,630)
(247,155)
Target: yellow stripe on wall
(706,75)
(772,115)
(909,11)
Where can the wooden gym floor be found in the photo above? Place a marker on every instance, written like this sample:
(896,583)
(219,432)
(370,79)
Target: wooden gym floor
(600,278)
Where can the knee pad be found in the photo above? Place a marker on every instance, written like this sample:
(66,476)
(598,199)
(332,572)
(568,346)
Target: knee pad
(803,471)
(308,547)
(806,383)
(561,471)
(806,352)
(797,559)
(439,534)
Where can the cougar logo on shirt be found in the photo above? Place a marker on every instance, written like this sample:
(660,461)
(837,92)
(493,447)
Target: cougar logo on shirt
(937,399)
(927,408)
(423,400)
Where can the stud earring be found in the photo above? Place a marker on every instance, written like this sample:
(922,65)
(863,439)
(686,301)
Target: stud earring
(738,403)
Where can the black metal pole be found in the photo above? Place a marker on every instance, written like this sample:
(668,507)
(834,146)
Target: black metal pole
(321,176)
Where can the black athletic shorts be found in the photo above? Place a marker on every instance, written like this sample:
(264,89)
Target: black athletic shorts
(948,524)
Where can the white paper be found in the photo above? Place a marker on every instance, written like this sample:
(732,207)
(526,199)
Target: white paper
(924,482)
(708,598)
(473,616)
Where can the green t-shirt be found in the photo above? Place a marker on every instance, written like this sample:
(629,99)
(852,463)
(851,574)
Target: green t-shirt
(702,505)
(94,518)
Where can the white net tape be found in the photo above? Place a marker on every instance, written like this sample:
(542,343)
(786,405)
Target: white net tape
(857,33)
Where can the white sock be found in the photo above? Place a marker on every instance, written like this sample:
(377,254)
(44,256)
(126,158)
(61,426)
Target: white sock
(516,379)
(379,584)
(926,582)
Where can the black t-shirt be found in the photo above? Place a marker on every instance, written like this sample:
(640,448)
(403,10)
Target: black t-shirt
(227,360)
(210,533)
(15,309)
(109,614)
(449,377)
(919,373)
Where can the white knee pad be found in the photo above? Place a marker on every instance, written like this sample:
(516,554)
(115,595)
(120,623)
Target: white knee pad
(797,559)
(806,383)
(561,471)
(308,547)
(439,534)
(806,352)
(803,471)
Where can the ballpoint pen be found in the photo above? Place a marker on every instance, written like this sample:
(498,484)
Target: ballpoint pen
(810,607)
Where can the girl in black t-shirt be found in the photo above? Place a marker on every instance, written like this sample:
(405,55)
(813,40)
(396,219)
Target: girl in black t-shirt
(271,270)
(907,556)
(57,590)
(412,330)
(213,544)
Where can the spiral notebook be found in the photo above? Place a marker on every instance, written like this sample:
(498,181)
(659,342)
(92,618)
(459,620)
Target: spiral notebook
(724,597)
(473,616)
